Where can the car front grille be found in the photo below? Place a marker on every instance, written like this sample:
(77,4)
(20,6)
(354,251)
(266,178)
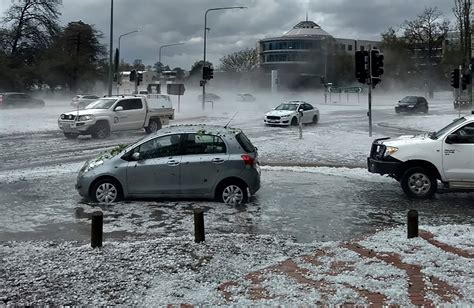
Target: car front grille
(68,117)
(273,118)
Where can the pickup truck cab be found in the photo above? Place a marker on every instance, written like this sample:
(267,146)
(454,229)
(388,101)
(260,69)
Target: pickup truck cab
(418,162)
(118,113)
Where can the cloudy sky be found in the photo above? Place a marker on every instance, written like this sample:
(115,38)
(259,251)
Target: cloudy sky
(164,22)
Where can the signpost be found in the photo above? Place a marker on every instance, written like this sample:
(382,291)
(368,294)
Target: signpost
(347,90)
(176,89)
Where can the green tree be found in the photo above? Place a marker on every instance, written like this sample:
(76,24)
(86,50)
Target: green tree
(196,69)
(74,60)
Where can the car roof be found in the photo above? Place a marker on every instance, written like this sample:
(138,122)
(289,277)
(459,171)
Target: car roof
(294,102)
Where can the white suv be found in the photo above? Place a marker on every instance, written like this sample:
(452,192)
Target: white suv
(418,162)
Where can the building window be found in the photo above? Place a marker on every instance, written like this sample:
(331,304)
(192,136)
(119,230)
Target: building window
(349,47)
(343,47)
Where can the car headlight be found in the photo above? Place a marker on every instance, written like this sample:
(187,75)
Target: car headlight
(390,150)
(285,116)
(86,117)
(89,165)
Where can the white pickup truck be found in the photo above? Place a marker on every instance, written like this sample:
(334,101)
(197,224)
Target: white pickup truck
(419,161)
(118,113)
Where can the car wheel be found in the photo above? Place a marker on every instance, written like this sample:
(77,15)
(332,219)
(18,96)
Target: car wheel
(106,191)
(233,193)
(425,110)
(315,119)
(418,183)
(294,121)
(153,126)
(101,130)
(70,136)
(397,111)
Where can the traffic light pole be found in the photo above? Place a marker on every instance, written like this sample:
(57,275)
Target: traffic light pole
(369,113)
(460,91)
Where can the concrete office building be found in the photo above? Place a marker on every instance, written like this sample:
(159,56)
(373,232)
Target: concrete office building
(304,54)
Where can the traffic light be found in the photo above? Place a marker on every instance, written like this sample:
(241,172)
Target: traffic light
(466,79)
(362,66)
(133,75)
(455,78)
(139,78)
(376,65)
(207,73)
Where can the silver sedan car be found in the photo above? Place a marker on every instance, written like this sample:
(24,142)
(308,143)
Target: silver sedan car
(188,161)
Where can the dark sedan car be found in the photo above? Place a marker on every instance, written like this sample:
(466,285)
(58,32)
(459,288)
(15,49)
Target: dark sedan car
(412,104)
(19,100)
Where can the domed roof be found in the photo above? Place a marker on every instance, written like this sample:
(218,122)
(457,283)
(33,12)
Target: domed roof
(307,28)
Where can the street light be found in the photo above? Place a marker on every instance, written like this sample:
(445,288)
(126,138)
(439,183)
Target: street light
(120,37)
(118,58)
(111,47)
(205,34)
(159,56)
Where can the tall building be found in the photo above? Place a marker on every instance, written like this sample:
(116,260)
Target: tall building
(304,54)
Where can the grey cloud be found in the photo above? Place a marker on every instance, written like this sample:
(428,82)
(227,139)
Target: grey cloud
(164,21)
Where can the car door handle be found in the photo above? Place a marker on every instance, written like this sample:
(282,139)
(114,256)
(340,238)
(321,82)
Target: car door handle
(217,160)
(173,163)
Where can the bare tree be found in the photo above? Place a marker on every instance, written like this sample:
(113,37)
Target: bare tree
(426,34)
(462,11)
(241,61)
(31,24)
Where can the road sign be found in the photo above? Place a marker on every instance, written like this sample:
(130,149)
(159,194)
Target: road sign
(353,90)
(334,90)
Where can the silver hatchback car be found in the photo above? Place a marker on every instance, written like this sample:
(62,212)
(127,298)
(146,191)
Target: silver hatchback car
(188,161)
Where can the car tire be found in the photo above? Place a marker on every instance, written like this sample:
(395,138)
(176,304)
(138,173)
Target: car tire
(419,183)
(397,111)
(153,126)
(106,190)
(70,136)
(232,192)
(425,110)
(101,130)
(315,119)
(294,121)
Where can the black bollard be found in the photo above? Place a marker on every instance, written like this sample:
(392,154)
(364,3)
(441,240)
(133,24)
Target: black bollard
(96,229)
(412,224)
(199,226)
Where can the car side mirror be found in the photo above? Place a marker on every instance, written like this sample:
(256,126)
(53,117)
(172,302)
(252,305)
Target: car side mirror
(136,156)
(118,108)
(451,139)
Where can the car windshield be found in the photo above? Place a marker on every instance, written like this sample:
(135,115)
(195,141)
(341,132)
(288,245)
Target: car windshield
(436,135)
(104,103)
(409,100)
(287,107)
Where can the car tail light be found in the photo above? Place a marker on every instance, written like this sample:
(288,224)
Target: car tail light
(248,160)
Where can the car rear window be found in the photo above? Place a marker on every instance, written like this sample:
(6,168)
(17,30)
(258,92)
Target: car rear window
(245,142)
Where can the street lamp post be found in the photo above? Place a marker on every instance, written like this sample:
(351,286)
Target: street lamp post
(205,35)
(168,45)
(110,77)
(120,37)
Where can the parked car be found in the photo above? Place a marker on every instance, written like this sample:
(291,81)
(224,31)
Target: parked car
(419,161)
(187,161)
(288,114)
(19,100)
(412,104)
(81,101)
(118,113)
(210,97)
(246,97)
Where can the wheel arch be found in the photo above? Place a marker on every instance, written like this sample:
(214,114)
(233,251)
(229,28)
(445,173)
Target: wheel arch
(231,179)
(417,163)
(104,177)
